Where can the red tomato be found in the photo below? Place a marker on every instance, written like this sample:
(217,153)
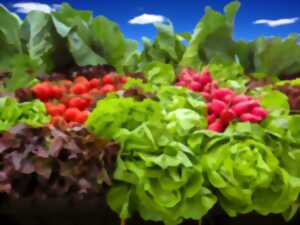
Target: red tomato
(107,88)
(77,102)
(123,79)
(87,98)
(42,91)
(107,79)
(71,114)
(55,110)
(81,79)
(79,89)
(57,91)
(67,83)
(55,120)
(94,83)
(82,117)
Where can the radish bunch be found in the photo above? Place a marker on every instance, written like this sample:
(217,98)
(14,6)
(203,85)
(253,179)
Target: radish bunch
(223,104)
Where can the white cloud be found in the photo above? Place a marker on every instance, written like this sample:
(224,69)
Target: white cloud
(275,23)
(147,18)
(26,7)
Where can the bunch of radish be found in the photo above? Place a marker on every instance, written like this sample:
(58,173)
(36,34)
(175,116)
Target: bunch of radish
(69,102)
(223,104)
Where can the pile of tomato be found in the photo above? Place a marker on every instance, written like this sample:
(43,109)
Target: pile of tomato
(69,101)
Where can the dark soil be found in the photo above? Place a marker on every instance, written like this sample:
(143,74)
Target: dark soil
(92,210)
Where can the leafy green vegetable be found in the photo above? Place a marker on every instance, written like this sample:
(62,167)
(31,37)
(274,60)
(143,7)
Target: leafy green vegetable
(9,37)
(268,52)
(23,73)
(157,173)
(159,73)
(9,113)
(230,75)
(205,44)
(110,42)
(31,113)
(166,48)
(248,176)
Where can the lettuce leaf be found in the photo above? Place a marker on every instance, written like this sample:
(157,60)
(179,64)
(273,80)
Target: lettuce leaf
(32,113)
(205,44)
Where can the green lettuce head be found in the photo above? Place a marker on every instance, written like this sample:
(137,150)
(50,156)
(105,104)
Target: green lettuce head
(161,178)
(248,177)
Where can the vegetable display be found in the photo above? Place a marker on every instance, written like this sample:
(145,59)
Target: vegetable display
(192,123)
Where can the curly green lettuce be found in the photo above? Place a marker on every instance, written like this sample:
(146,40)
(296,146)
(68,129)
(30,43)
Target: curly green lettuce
(31,113)
(157,174)
(248,176)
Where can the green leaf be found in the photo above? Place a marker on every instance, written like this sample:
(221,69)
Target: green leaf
(159,73)
(9,37)
(230,75)
(111,43)
(270,51)
(118,199)
(23,74)
(205,44)
(82,53)
(276,102)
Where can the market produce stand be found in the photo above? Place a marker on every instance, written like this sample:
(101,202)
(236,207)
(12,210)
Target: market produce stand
(93,131)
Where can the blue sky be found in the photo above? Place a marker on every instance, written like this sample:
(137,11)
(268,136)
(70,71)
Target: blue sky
(186,14)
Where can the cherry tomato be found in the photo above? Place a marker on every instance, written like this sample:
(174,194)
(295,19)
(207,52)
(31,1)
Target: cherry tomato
(56,91)
(55,110)
(80,79)
(82,117)
(87,98)
(67,83)
(79,89)
(123,79)
(94,83)
(42,91)
(71,114)
(77,102)
(56,120)
(107,88)
(107,79)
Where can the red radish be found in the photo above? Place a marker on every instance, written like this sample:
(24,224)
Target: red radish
(71,114)
(221,93)
(245,106)
(227,115)
(259,111)
(216,126)
(228,98)
(248,117)
(205,76)
(240,98)
(211,118)
(217,106)
(206,96)
(195,86)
